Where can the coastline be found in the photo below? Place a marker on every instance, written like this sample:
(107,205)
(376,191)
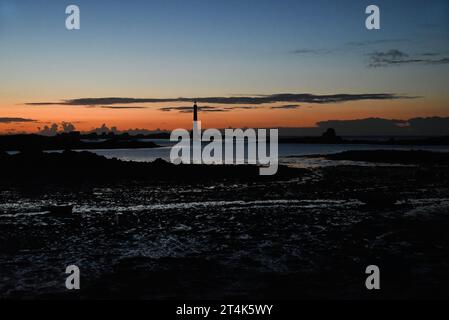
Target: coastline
(219,237)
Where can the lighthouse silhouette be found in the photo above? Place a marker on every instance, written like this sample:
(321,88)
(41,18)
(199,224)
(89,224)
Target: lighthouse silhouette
(196,133)
(195,112)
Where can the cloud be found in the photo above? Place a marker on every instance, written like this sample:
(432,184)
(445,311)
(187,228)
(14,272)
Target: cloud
(55,128)
(42,103)
(104,129)
(15,120)
(378,59)
(67,127)
(397,57)
(287,106)
(430,54)
(312,51)
(362,126)
(167,109)
(374,42)
(347,46)
(189,109)
(438,61)
(240,108)
(213,110)
(123,107)
(249,100)
(385,127)
(437,125)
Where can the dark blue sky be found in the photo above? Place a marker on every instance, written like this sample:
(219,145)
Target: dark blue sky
(217,39)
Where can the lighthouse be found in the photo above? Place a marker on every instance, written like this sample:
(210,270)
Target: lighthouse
(195,112)
(196,133)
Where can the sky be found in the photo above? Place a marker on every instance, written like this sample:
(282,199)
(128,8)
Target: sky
(153,52)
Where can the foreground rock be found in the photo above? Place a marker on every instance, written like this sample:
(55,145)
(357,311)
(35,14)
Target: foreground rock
(72,167)
(393,156)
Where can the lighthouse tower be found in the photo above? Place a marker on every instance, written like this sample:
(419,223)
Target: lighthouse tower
(195,112)
(196,136)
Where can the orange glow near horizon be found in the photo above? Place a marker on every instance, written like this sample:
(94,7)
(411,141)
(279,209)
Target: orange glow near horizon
(150,117)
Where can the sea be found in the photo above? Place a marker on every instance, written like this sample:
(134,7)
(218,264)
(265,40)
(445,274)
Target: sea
(291,154)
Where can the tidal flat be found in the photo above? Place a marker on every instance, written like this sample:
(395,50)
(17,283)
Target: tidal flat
(307,236)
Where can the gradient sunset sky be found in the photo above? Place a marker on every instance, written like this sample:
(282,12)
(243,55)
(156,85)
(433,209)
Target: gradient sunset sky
(220,51)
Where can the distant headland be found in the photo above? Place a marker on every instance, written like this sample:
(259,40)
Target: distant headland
(76,141)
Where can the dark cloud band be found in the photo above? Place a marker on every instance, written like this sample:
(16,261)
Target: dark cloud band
(254,100)
(15,120)
(188,109)
(287,107)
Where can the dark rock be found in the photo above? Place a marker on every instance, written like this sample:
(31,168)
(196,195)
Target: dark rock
(59,211)
(377,199)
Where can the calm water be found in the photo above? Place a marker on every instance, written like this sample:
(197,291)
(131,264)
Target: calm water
(289,153)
